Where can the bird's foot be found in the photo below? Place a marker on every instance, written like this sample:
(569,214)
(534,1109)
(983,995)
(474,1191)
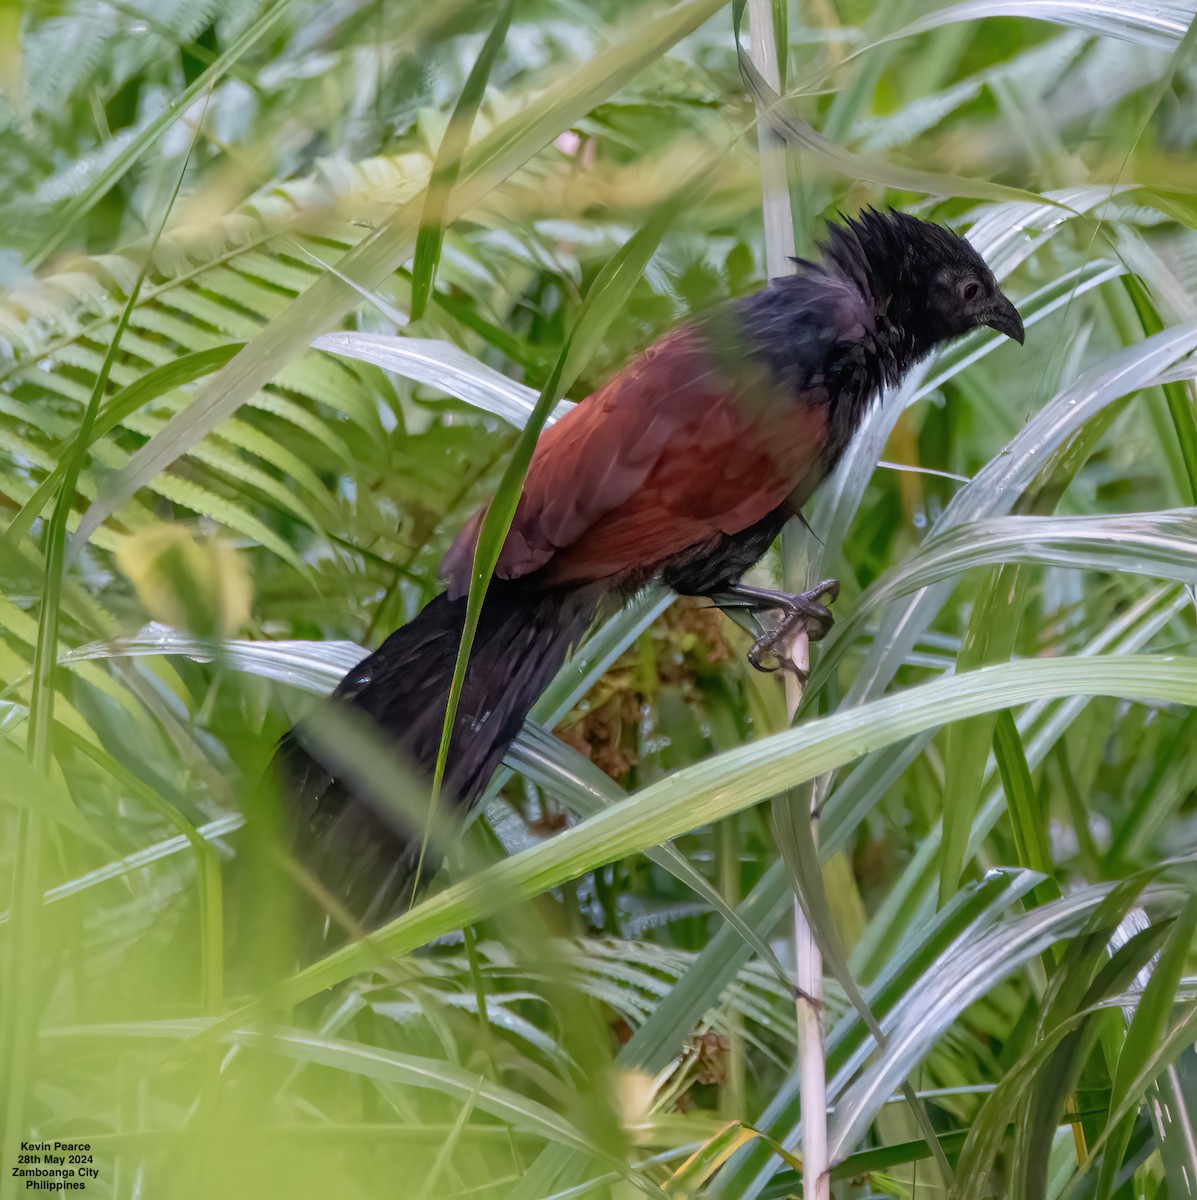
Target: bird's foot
(804,613)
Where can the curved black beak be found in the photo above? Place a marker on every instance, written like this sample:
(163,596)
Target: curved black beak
(1003,317)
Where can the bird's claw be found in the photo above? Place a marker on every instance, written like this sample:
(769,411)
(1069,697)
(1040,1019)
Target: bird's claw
(804,613)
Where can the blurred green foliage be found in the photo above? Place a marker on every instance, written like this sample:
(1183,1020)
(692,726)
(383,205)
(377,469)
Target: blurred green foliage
(603,1021)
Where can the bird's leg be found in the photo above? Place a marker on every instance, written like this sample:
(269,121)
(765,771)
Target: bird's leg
(802,613)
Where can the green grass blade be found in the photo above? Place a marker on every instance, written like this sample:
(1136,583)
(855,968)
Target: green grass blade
(1179,396)
(448,164)
(1147,1030)
(441,365)
(1133,20)
(735,780)
(990,637)
(1026,820)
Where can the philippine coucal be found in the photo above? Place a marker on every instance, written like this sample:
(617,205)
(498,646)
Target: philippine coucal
(682,468)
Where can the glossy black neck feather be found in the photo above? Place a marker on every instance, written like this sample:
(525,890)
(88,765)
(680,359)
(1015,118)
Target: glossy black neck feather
(892,257)
(862,305)
(796,325)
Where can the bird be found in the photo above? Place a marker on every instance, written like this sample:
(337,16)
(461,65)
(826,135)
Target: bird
(680,470)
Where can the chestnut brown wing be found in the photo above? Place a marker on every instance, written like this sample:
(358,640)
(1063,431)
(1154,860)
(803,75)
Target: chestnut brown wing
(719,476)
(669,454)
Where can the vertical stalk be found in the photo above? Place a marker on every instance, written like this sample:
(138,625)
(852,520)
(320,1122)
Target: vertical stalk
(816,1167)
(779,247)
(732,1096)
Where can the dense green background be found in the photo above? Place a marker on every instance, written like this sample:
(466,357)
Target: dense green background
(191,191)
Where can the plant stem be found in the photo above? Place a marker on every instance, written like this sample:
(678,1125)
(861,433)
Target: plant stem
(779,247)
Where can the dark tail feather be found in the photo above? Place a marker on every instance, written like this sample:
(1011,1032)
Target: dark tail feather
(358,851)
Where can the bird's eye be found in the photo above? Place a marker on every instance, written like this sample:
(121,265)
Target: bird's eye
(970,291)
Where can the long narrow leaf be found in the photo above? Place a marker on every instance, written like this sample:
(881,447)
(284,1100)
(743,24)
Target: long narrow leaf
(735,780)
(448,163)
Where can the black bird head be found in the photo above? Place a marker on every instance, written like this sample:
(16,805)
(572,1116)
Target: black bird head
(927,284)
